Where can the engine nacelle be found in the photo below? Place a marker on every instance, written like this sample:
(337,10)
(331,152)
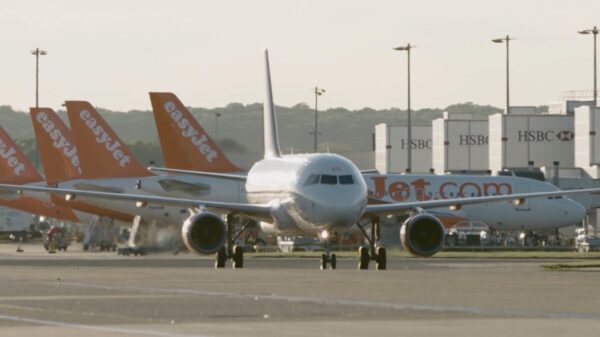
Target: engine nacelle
(204,233)
(422,235)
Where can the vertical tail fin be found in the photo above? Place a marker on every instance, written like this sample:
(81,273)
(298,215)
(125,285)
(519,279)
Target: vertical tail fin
(271,138)
(14,166)
(101,152)
(185,144)
(56,148)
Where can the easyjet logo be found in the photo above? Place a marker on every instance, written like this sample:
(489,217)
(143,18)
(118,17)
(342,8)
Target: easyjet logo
(421,189)
(9,154)
(188,131)
(58,139)
(111,145)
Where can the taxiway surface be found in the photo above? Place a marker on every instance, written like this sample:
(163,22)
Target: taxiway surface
(100,294)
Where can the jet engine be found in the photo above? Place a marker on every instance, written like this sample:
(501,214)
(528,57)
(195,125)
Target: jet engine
(204,233)
(422,235)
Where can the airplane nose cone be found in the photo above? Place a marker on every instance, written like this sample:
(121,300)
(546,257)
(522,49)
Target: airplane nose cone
(577,211)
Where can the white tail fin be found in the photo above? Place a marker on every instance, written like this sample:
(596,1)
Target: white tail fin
(271,140)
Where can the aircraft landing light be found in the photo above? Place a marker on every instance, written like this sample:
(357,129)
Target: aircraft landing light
(455,207)
(519,201)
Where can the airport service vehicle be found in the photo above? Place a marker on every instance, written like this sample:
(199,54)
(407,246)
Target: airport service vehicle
(305,194)
(59,237)
(14,223)
(188,148)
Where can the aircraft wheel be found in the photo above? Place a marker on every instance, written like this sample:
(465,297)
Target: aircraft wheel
(363,258)
(323,261)
(220,258)
(381,259)
(238,257)
(333,261)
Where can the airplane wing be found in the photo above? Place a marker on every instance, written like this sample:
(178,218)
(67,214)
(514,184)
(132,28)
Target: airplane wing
(391,208)
(70,194)
(229,176)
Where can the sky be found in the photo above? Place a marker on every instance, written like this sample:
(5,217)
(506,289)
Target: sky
(113,52)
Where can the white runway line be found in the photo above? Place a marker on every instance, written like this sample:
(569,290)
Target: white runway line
(99,328)
(361,303)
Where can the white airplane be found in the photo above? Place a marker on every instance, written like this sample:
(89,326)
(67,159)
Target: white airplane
(312,194)
(187,148)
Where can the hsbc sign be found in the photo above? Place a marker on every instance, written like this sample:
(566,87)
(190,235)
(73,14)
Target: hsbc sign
(545,136)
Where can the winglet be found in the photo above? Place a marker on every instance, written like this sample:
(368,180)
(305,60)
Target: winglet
(57,151)
(101,152)
(271,140)
(184,142)
(14,165)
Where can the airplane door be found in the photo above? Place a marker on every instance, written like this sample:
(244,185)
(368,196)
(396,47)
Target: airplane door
(526,206)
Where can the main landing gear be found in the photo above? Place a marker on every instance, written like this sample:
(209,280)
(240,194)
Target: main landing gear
(374,252)
(327,257)
(230,251)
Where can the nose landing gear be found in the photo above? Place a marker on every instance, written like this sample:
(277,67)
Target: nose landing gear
(328,257)
(374,252)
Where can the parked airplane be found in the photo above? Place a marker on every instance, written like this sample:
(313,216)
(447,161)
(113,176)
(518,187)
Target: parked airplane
(15,168)
(103,163)
(312,194)
(60,160)
(179,132)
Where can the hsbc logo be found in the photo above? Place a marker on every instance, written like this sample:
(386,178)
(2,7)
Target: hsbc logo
(416,144)
(565,136)
(545,136)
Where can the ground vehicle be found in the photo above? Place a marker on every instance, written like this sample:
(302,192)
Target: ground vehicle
(58,237)
(14,222)
(298,244)
(101,233)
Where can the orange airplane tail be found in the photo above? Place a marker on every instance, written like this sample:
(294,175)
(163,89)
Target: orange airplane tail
(101,152)
(56,148)
(15,168)
(185,144)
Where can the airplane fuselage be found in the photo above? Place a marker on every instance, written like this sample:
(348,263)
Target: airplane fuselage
(312,192)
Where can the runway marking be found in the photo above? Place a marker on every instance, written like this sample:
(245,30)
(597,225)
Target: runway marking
(94,327)
(325,301)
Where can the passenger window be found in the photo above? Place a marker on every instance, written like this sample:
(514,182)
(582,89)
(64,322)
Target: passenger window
(346,180)
(328,179)
(312,179)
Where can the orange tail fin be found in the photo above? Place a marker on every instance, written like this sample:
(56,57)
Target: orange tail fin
(184,143)
(101,152)
(58,154)
(14,166)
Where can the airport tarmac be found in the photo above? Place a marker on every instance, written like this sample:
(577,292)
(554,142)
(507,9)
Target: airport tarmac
(101,294)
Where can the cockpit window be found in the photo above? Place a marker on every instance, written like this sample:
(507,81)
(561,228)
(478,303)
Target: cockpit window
(346,180)
(328,179)
(312,179)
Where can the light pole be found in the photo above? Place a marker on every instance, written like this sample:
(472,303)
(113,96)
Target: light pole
(318,92)
(507,41)
(37,52)
(594,32)
(217,115)
(407,48)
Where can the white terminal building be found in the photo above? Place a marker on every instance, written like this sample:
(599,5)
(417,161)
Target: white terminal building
(560,145)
